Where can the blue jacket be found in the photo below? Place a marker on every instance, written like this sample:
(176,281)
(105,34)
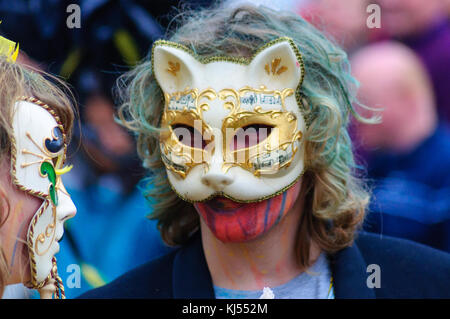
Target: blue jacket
(408,270)
(411,192)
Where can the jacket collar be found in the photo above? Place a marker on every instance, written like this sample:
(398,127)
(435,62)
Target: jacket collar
(192,280)
(350,274)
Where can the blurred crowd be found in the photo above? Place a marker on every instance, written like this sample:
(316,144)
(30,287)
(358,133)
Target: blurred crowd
(403,67)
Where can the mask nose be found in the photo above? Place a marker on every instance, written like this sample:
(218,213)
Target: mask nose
(215,177)
(217,181)
(66,208)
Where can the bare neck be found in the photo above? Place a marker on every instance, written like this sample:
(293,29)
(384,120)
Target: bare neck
(267,261)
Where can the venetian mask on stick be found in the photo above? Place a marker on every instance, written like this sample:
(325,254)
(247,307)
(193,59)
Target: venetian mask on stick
(37,158)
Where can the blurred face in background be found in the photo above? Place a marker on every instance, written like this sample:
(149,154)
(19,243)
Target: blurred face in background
(344,20)
(393,79)
(402,18)
(99,113)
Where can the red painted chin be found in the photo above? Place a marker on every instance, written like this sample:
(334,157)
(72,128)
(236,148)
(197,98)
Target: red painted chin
(230,221)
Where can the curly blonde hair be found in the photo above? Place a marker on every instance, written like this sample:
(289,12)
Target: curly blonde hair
(335,198)
(16,81)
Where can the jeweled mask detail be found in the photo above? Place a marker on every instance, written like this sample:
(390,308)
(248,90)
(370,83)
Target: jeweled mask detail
(236,120)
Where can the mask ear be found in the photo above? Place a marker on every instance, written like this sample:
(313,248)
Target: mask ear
(173,67)
(277,67)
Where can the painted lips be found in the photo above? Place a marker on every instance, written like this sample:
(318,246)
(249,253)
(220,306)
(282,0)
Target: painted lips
(223,205)
(230,221)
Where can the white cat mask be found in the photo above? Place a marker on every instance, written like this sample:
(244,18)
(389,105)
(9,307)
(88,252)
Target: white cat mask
(231,126)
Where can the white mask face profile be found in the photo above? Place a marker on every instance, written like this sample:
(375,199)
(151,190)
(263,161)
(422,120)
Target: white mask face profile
(231,127)
(37,159)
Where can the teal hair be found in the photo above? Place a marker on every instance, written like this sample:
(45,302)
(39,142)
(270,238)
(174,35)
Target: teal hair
(333,193)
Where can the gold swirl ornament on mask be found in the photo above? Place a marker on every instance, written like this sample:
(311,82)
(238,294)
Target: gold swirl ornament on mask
(185,108)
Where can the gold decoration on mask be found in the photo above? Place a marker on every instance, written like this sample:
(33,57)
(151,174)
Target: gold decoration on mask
(49,232)
(274,67)
(247,106)
(60,186)
(173,68)
(184,108)
(279,147)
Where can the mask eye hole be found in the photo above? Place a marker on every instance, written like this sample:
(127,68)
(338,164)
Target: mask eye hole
(189,136)
(57,161)
(250,135)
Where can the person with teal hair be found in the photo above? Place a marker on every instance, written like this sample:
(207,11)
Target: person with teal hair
(241,117)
